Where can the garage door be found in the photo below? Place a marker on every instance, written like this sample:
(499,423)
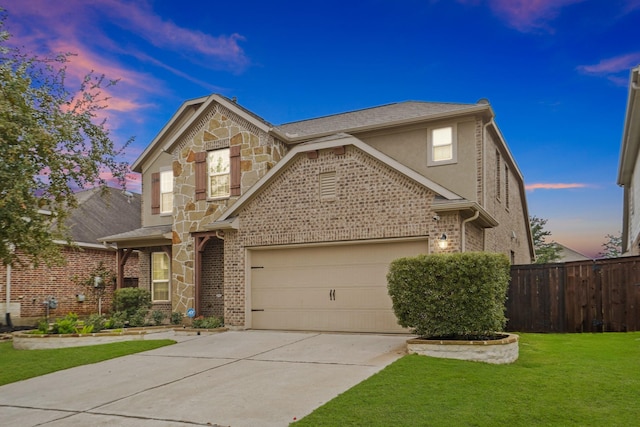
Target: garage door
(326,288)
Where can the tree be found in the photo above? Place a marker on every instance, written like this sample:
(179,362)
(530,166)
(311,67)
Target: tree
(51,144)
(612,247)
(546,252)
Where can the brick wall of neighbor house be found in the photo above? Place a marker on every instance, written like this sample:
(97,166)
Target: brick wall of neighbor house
(32,286)
(509,215)
(372,202)
(218,129)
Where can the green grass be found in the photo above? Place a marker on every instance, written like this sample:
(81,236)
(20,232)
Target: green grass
(559,380)
(19,365)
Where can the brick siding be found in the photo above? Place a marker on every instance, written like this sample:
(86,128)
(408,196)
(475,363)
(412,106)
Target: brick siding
(32,286)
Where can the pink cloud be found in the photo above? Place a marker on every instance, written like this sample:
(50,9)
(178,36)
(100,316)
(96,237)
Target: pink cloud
(529,15)
(612,65)
(553,186)
(141,20)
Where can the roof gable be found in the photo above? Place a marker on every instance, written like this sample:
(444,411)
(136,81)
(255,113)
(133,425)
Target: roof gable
(333,142)
(99,214)
(189,115)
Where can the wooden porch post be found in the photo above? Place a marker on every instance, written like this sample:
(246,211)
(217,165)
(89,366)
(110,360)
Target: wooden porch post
(122,255)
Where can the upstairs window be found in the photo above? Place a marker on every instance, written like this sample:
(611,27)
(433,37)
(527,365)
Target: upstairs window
(442,145)
(498,171)
(219,176)
(166,192)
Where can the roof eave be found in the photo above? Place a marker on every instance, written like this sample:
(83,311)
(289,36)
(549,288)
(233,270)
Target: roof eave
(233,107)
(485,219)
(631,131)
(137,165)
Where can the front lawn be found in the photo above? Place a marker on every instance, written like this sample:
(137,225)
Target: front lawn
(19,365)
(559,380)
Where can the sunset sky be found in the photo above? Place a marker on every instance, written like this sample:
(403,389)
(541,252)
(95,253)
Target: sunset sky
(556,73)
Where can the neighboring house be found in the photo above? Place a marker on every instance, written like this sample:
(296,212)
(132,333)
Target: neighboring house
(629,170)
(294,226)
(568,255)
(95,216)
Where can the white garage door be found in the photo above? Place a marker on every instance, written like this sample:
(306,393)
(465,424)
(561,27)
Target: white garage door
(326,288)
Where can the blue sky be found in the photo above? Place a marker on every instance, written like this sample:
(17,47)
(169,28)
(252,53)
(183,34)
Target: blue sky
(555,71)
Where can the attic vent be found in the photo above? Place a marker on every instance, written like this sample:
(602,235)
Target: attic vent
(327,185)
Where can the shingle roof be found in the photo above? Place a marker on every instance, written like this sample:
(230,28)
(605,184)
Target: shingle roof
(401,111)
(99,214)
(157,231)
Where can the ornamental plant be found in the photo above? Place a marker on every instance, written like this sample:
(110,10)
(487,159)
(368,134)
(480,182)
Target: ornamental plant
(453,296)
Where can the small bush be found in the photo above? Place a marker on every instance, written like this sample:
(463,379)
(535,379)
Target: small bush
(96,321)
(176,318)
(116,321)
(158,317)
(450,295)
(139,318)
(207,322)
(130,300)
(43,326)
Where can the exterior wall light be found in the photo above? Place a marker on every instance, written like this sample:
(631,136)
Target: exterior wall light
(442,241)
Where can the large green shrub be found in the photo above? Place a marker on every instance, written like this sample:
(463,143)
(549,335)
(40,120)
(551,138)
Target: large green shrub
(131,300)
(450,295)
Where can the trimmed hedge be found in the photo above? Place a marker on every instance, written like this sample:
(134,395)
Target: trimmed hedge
(458,295)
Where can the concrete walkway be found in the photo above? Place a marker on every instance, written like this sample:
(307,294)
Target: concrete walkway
(250,378)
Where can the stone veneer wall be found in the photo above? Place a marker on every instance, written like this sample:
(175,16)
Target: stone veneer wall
(219,128)
(372,201)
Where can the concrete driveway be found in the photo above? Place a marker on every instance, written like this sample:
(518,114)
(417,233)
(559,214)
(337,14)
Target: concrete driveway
(249,378)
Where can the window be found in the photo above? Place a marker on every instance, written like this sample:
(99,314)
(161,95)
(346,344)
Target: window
(166,191)
(506,186)
(159,276)
(498,172)
(219,167)
(442,145)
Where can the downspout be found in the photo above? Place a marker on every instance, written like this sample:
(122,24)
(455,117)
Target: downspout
(463,238)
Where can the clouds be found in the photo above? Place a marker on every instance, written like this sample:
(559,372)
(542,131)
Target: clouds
(615,69)
(84,28)
(554,186)
(529,15)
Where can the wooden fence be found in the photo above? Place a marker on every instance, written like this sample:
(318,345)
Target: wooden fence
(583,296)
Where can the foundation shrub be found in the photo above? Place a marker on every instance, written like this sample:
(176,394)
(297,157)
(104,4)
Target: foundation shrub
(96,321)
(459,296)
(176,318)
(207,322)
(131,300)
(158,317)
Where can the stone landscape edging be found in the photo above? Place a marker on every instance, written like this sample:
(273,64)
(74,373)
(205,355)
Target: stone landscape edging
(499,351)
(31,341)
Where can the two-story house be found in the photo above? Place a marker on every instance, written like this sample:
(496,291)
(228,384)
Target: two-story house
(629,169)
(294,226)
